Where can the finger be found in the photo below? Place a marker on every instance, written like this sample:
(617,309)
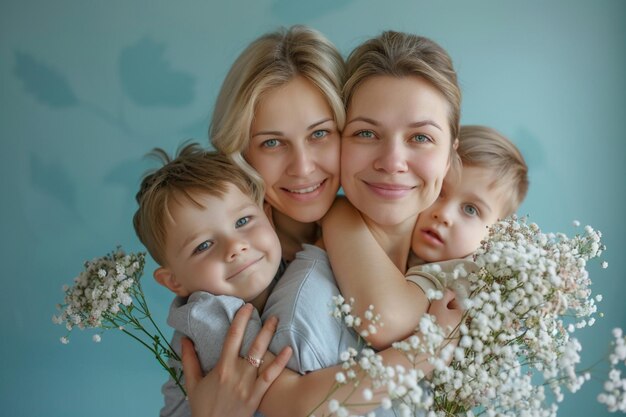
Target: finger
(191,365)
(272,372)
(234,337)
(263,339)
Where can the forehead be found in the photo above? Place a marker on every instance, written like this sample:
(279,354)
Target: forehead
(406,96)
(295,101)
(181,204)
(478,183)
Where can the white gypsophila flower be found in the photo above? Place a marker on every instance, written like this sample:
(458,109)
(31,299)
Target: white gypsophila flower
(333,405)
(64,340)
(340,377)
(96,338)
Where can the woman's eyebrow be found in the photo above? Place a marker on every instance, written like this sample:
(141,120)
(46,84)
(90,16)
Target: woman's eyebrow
(268,132)
(363,119)
(426,122)
(319,123)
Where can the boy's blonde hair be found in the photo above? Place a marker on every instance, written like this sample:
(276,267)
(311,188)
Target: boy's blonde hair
(399,54)
(194,170)
(272,61)
(483,147)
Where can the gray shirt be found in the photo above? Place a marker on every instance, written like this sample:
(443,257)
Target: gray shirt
(204,318)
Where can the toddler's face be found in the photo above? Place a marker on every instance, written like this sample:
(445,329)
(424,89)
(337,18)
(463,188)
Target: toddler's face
(459,219)
(223,245)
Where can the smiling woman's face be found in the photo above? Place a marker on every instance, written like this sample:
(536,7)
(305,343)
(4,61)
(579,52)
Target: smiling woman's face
(294,146)
(395,148)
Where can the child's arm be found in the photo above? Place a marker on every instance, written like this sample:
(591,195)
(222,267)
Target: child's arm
(232,388)
(364,272)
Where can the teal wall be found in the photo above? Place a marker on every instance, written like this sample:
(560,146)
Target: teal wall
(88,87)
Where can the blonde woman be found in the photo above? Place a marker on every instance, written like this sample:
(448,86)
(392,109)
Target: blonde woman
(403,115)
(279,115)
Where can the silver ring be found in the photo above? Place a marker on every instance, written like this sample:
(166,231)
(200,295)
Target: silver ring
(254,361)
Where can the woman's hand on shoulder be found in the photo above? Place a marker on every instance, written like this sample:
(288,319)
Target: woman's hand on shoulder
(233,387)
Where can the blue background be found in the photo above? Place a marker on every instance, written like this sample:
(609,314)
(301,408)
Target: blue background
(88,87)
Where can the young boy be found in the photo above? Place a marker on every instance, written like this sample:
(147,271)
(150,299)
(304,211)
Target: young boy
(200,217)
(491,185)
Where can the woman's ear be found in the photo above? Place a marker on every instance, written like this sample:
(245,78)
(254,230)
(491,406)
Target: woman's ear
(455,144)
(166,278)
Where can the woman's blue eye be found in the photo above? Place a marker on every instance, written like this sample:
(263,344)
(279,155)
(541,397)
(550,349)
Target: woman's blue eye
(365,134)
(242,222)
(270,143)
(470,210)
(318,134)
(421,138)
(202,247)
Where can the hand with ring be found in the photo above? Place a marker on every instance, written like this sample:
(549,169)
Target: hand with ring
(233,387)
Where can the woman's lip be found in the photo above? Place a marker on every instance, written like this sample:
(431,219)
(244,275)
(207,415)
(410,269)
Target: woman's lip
(389,190)
(243,268)
(307,192)
(432,236)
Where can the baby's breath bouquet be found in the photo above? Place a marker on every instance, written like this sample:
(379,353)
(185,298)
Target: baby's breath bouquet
(529,296)
(107,295)
(530,293)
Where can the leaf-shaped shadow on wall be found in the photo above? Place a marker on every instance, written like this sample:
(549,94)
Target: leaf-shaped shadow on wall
(52,179)
(128,174)
(288,9)
(148,79)
(46,84)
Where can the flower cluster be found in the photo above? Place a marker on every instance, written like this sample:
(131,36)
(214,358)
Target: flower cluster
(365,326)
(529,293)
(614,395)
(107,295)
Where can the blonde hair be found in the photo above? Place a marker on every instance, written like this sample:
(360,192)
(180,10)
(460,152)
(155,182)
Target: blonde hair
(398,54)
(194,170)
(483,147)
(271,61)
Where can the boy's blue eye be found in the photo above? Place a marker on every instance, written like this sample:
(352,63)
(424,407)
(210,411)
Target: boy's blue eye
(421,139)
(203,246)
(365,134)
(270,143)
(470,210)
(242,222)
(318,134)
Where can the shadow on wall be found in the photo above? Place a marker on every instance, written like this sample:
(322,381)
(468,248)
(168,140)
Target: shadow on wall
(286,9)
(530,147)
(147,80)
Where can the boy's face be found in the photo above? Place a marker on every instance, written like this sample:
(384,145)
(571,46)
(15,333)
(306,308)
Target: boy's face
(459,219)
(225,247)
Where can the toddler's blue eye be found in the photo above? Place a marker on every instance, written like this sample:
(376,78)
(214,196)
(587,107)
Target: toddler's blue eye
(318,134)
(202,247)
(270,143)
(242,222)
(470,210)
(421,138)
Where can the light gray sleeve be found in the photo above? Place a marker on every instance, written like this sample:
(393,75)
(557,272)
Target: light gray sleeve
(205,319)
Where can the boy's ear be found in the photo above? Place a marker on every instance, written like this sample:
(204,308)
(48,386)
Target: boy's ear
(166,278)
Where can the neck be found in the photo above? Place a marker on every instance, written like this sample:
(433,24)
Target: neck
(395,240)
(292,234)
(259,301)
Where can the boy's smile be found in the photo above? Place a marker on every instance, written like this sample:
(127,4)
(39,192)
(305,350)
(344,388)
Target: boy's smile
(223,245)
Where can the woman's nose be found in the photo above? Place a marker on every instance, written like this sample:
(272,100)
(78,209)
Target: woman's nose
(393,157)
